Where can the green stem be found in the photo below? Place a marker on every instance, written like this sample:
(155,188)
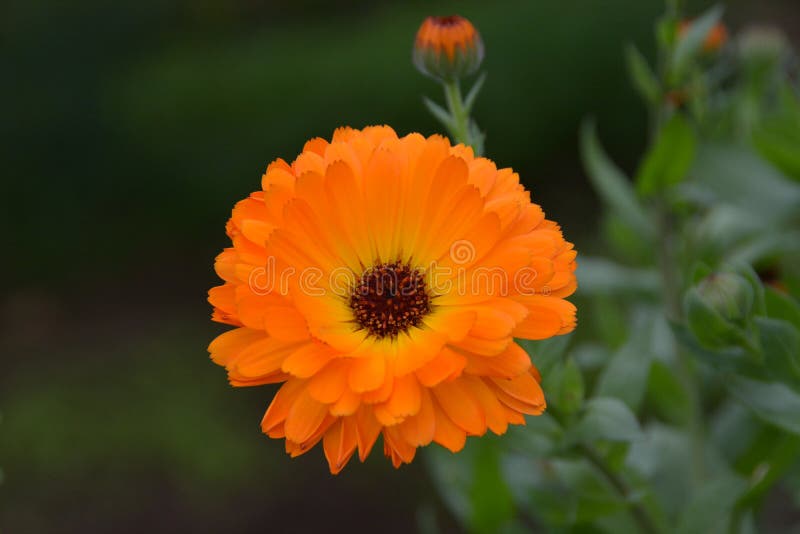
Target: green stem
(455,103)
(639,512)
(671,286)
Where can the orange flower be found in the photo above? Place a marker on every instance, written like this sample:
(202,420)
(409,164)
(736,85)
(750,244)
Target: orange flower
(448,48)
(382,280)
(717,37)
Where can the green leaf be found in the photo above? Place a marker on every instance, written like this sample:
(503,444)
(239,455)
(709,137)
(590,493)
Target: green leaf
(692,41)
(781,306)
(605,418)
(439,112)
(668,161)
(546,353)
(564,384)
(612,185)
(733,174)
(469,101)
(780,342)
(599,276)
(666,394)
(710,509)
(642,76)
(492,505)
(773,402)
(625,376)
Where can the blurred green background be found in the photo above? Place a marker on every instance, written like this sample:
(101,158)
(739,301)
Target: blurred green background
(128,131)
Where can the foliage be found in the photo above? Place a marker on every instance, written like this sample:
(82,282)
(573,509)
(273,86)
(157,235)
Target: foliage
(676,405)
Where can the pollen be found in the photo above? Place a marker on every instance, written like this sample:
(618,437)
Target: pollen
(389,298)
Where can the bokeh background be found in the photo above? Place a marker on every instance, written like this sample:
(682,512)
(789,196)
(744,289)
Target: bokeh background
(129,129)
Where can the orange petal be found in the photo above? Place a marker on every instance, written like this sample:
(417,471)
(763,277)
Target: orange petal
(447,364)
(419,429)
(304,418)
(460,406)
(281,403)
(448,434)
(229,345)
(367,373)
(340,443)
(308,359)
(328,385)
(367,431)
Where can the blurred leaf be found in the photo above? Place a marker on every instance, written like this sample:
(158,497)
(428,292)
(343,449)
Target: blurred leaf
(666,394)
(624,242)
(642,76)
(668,160)
(773,402)
(611,184)
(780,342)
(781,306)
(625,377)
(492,504)
(546,353)
(690,43)
(735,175)
(662,459)
(564,386)
(605,418)
(439,112)
(783,453)
(472,95)
(778,137)
(711,506)
(602,276)
(562,492)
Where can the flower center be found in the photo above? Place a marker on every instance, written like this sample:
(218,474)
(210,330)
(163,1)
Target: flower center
(389,298)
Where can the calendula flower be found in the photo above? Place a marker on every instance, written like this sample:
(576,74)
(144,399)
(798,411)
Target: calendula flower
(447,48)
(715,38)
(381,281)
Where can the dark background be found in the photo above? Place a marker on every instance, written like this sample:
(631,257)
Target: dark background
(129,129)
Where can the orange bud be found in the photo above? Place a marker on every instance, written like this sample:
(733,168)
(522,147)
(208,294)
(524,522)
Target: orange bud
(447,48)
(715,39)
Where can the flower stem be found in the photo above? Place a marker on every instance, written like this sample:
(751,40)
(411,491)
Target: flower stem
(455,104)
(639,512)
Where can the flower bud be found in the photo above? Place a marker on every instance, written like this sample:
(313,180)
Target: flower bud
(762,44)
(715,38)
(717,308)
(728,294)
(447,48)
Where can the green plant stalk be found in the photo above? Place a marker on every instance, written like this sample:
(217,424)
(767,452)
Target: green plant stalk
(460,116)
(671,286)
(639,512)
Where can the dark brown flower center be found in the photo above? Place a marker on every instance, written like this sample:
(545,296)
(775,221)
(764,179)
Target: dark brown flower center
(389,298)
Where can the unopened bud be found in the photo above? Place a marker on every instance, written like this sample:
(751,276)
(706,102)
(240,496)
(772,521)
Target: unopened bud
(448,48)
(715,39)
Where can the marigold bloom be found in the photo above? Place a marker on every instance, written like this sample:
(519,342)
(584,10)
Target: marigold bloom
(715,39)
(380,309)
(448,48)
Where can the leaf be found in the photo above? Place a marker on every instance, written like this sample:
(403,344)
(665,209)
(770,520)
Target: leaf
(771,401)
(781,306)
(642,76)
(599,276)
(666,394)
(491,502)
(611,184)
(625,376)
(469,101)
(668,160)
(546,353)
(439,112)
(691,42)
(564,384)
(710,509)
(735,175)
(780,342)
(605,418)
